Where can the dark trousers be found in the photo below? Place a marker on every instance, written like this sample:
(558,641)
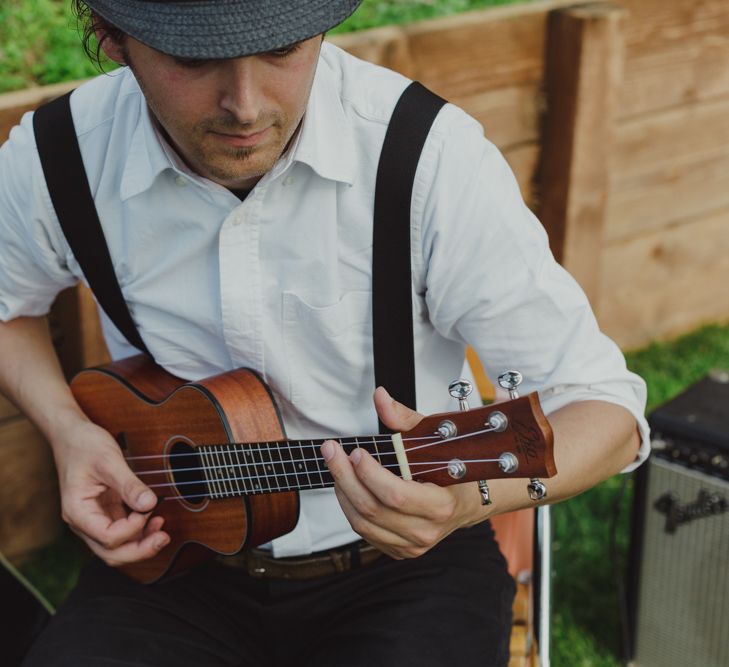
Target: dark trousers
(450,606)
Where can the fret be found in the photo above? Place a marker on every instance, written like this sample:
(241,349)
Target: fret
(233,476)
(287,466)
(297,465)
(210,472)
(221,471)
(228,470)
(204,468)
(275,452)
(270,468)
(255,457)
(248,461)
(387,458)
(376,448)
(317,459)
(242,471)
(305,466)
(311,465)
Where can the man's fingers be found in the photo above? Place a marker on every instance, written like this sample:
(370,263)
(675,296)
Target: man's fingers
(119,477)
(146,547)
(106,532)
(427,501)
(384,539)
(393,414)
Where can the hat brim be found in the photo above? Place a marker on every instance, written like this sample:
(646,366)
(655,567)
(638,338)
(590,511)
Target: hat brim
(206,29)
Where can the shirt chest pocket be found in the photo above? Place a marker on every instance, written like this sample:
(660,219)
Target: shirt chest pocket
(329,351)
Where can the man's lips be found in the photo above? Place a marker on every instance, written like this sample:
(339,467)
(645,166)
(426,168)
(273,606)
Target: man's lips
(241,140)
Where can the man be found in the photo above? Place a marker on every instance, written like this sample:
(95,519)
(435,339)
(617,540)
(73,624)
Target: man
(233,166)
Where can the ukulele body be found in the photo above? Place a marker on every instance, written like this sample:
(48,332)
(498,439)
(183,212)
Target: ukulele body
(156,415)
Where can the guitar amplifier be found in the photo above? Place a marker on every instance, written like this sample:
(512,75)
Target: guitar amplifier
(679,563)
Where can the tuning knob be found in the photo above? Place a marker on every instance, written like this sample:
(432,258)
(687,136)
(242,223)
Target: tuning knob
(537,490)
(461,390)
(510,381)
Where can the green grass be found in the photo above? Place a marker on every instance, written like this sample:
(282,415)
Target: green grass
(586,626)
(39,42)
(39,45)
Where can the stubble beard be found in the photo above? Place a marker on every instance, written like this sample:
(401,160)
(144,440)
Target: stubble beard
(223,164)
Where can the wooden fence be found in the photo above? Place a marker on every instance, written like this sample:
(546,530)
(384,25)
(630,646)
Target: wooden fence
(615,119)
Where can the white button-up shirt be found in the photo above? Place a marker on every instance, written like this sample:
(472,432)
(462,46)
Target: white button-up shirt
(281,282)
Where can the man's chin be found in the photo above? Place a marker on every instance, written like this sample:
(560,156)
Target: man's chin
(236,175)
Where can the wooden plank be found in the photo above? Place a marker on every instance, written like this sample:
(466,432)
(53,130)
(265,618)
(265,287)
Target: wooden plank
(387,46)
(30,514)
(690,133)
(657,23)
(584,61)
(510,115)
(474,52)
(677,52)
(667,282)
(668,166)
(676,190)
(693,70)
(14,105)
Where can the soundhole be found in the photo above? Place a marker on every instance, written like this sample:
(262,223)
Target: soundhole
(187,473)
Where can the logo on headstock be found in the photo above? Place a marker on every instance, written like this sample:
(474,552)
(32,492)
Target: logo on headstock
(528,437)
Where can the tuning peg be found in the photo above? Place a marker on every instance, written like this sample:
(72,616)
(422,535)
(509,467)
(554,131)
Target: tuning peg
(537,490)
(510,381)
(461,390)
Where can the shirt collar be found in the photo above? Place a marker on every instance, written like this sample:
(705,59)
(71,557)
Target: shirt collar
(146,157)
(324,142)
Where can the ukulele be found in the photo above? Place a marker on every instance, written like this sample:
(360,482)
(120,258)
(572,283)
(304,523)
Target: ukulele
(227,478)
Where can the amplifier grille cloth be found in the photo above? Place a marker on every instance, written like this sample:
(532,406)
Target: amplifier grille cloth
(683,604)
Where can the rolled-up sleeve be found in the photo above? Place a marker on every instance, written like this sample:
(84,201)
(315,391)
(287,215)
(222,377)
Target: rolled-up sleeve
(492,282)
(33,256)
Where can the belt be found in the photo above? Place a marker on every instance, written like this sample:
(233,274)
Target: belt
(262,565)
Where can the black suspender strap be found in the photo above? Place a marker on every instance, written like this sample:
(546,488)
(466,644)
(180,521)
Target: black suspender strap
(68,185)
(392,305)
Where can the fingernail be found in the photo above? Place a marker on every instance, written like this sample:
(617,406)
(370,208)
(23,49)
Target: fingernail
(327,449)
(146,498)
(356,456)
(161,541)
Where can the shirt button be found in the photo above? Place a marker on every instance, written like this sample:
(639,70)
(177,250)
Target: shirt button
(289,180)
(181,180)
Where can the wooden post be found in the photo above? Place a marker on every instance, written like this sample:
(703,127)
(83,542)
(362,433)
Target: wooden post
(585,51)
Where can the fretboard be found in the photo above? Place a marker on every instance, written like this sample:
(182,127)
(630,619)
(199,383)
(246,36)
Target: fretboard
(237,469)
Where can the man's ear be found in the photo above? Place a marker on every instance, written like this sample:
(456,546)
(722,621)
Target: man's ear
(113,49)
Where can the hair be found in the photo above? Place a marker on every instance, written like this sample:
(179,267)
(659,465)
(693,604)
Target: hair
(88,23)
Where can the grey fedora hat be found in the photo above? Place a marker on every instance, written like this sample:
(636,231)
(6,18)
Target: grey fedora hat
(204,29)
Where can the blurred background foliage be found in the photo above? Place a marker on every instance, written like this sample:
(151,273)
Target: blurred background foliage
(39,42)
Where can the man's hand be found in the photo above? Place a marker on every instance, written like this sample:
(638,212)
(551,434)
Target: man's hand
(404,519)
(101,498)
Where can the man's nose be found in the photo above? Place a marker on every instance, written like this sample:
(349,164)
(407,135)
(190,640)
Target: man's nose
(240,90)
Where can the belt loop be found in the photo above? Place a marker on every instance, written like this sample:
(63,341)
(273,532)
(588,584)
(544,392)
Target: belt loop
(338,560)
(355,558)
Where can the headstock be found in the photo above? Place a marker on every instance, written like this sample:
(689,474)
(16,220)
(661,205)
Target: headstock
(502,440)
